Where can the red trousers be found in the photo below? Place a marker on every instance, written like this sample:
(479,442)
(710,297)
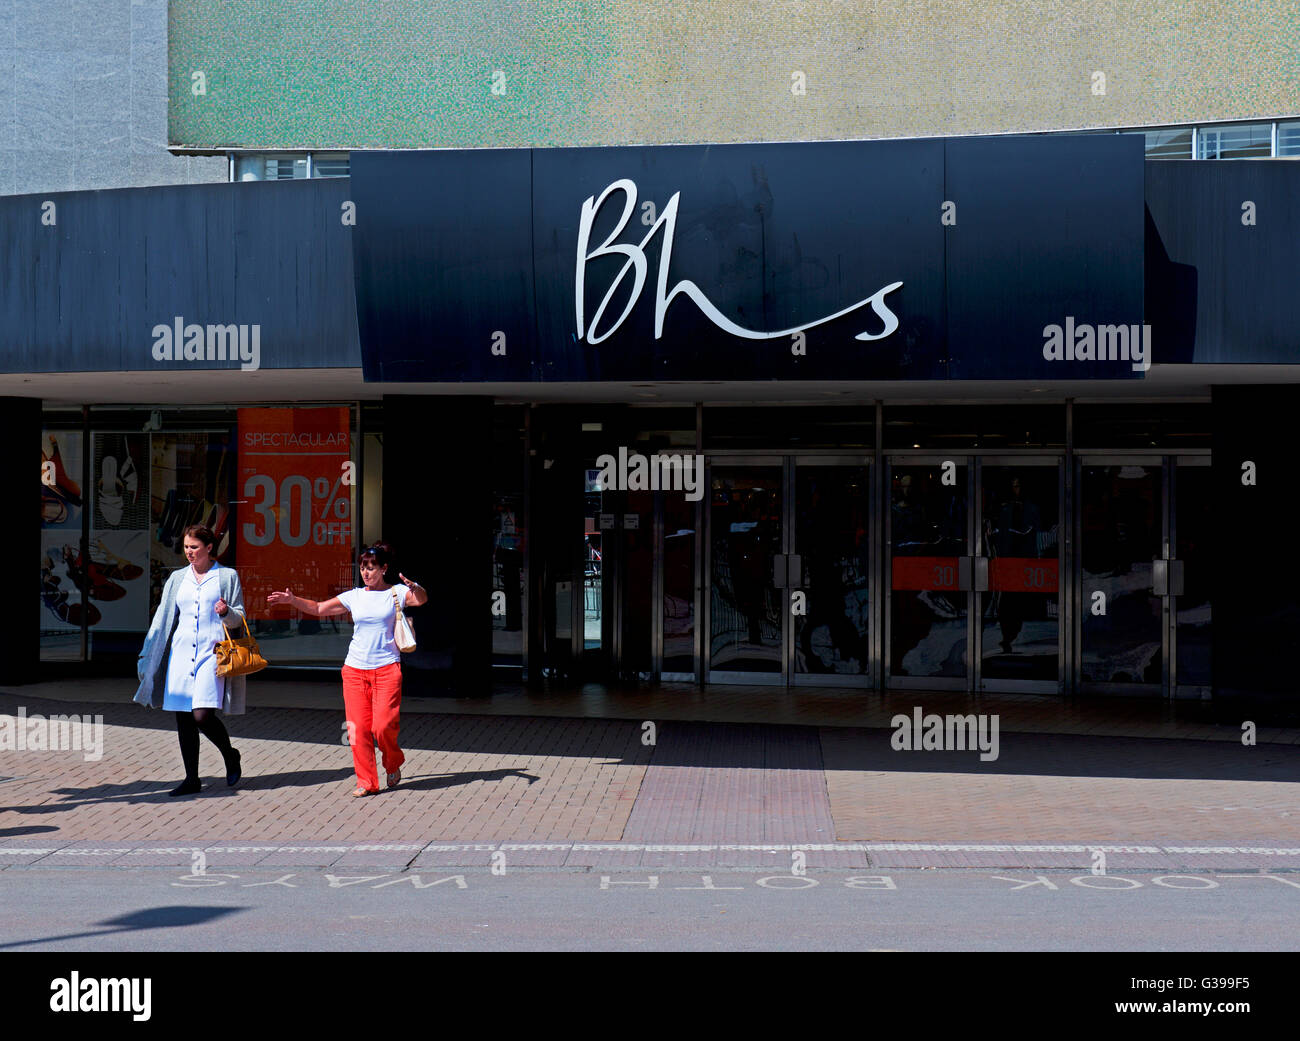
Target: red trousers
(372,701)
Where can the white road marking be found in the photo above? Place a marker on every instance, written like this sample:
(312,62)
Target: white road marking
(653,847)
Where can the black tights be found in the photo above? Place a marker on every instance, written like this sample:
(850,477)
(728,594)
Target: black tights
(188,725)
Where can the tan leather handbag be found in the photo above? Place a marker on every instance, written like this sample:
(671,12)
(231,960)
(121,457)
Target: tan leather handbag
(239,656)
(403,630)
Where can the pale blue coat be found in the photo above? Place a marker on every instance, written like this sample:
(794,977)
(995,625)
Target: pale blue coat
(151,668)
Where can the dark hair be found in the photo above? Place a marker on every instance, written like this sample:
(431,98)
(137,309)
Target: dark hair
(201,532)
(380,554)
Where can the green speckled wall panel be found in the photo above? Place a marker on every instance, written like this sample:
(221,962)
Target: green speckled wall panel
(420,73)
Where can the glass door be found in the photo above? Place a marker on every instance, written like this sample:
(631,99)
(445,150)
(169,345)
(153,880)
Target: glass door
(832,563)
(928,573)
(1018,575)
(676,582)
(1123,626)
(747,613)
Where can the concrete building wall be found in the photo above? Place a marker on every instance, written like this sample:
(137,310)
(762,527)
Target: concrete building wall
(469,73)
(83,98)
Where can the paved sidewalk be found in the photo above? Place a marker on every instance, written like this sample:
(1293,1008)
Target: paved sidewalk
(588,792)
(800,706)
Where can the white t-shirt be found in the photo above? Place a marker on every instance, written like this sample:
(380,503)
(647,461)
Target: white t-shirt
(374,614)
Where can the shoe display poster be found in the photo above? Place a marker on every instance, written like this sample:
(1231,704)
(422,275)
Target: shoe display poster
(121,477)
(61,606)
(61,500)
(112,574)
(117,594)
(296,480)
(61,492)
(189,483)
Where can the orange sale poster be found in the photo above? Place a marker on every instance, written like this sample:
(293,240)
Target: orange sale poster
(296,481)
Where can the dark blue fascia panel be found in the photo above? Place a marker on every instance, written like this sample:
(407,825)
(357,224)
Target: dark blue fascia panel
(443,258)
(84,294)
(459,249)
(1223,270)
(1049,231)
(773,236)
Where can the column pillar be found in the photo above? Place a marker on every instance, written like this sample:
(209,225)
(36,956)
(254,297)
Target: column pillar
(437,500)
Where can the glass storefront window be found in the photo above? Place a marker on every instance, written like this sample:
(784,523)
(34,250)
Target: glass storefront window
(508,589)
(64,603)
(277,487)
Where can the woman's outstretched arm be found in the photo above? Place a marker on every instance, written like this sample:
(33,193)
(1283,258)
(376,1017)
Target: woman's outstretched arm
(319,608)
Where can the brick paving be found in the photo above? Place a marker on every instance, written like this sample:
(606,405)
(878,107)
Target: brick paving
(466,778)
(579,792)
(1064,788)
(733,784)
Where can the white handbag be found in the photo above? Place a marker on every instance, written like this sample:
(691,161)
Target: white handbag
(403,631)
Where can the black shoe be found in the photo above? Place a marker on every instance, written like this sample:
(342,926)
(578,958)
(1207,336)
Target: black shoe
(189,786)
(233,775)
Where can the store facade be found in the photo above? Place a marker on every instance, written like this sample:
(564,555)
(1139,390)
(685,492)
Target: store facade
(963,414)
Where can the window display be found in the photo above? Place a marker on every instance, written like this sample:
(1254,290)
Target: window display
(275,485)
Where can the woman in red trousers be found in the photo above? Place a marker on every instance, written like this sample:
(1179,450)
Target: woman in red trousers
(372,671)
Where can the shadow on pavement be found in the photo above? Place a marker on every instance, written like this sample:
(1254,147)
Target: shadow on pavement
(152,918)
(428,783)
(145,792)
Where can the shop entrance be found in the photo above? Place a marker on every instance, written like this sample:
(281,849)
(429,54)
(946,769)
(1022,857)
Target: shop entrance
(973,579)
(788,571)
(1144,614)
(1016,572)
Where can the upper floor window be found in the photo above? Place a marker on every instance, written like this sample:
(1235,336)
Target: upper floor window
(329,164)
(1169,144)
(1239,141)
(1288,138)
(263,167)
(270,167)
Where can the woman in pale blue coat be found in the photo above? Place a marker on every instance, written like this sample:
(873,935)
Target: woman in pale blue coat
(178,666)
